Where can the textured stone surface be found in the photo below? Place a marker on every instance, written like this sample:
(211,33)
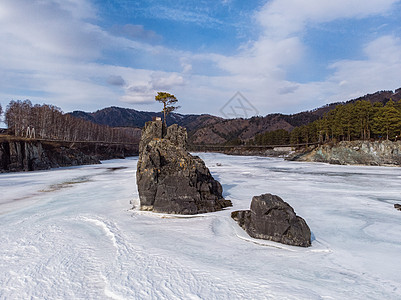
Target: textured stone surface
(29,155)
(355,153)
(397,206)
(271,218)
(34,155)
(169,179)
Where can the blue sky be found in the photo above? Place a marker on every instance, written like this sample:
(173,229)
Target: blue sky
(282,55)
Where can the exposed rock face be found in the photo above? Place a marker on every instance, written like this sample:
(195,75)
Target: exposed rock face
(397,206)
(23,155)
(169,179)
(274,152)
(355,153)
(271,218)
(33,155)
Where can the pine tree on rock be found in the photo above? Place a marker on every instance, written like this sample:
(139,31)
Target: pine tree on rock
(168,101)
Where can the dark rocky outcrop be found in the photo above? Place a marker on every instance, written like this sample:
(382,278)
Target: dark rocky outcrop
(169,179)
(379,153)
(34,155)
(271,218)
(30,155)
(269,152)
(397,206)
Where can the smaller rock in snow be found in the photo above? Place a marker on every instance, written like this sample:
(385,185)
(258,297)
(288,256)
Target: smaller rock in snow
(271,218)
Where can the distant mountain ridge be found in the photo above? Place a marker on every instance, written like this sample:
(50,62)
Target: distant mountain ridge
(208,129)
(127,117)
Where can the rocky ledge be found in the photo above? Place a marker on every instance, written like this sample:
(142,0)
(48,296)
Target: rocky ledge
(271,218)
(169,179)
(269,152)
(377,153)
(31,155)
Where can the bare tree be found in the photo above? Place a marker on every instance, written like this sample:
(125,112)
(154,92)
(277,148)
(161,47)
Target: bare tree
(49,122)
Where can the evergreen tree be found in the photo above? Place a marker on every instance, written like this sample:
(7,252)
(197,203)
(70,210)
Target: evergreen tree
(168,101)
(295,137)
(352,121)
(337,122)
(387,120)
(276,137)
(398,105)
(363,112)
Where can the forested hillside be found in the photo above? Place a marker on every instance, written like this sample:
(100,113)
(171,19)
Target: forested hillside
(128,117)
(49,122)
(361,120)
(277,129)
(374,116)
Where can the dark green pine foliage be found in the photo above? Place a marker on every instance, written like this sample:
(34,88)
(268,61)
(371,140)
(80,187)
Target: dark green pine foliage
(361,120)
(387,121)
(276,137)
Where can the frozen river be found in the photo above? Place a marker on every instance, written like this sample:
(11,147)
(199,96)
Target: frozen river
(71,234)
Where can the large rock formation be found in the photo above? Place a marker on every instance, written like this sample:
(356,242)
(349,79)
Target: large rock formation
(169,179)
(354,153)
(271,218)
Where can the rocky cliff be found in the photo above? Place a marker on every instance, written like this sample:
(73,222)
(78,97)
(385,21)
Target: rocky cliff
(169,179)
(354,153)
(30,155)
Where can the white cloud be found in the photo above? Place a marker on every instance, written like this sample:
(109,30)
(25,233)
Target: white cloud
(49,29)
(161,81)
(260,67)
(264,58)
(116,80)
(379,71)
(136,32)
(185,65)
(385,49)
(281,18)
(50,50)
(144,93)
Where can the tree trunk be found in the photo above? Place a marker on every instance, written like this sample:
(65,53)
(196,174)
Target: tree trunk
(164,112)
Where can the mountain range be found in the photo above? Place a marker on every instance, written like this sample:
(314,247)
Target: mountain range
(208,129)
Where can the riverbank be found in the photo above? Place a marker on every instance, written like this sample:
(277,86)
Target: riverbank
(18,154)
(377,153)
(243,150)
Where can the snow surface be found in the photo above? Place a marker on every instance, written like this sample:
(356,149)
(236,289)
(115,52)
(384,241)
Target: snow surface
(71,234)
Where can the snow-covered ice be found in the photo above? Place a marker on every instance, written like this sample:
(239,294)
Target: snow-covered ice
(71,234)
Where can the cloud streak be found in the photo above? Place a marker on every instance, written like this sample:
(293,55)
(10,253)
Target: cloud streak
(136,32)
(281,18)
